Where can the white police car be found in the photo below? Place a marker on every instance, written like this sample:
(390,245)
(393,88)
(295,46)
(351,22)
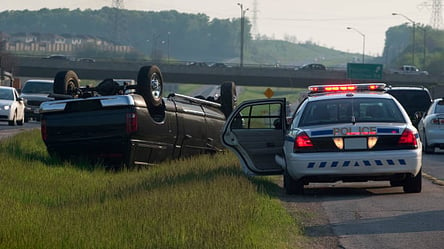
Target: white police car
(348,133)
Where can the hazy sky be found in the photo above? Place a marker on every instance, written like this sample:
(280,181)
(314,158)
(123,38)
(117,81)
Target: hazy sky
(323,22)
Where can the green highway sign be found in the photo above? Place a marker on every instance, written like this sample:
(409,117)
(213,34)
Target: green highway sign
(363,71)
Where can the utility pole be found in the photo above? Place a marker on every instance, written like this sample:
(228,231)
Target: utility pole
(414,41)
(242,35)
(363,41)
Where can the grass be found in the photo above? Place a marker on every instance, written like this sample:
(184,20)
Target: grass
(247,93)
(204,202)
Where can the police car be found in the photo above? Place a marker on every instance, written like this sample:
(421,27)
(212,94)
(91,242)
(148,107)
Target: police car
(349,133)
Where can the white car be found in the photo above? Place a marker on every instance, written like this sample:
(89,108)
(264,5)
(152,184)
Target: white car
(431,127)
(348,133)
(12,108)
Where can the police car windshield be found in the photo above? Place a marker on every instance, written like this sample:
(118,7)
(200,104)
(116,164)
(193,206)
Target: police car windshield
(351,110)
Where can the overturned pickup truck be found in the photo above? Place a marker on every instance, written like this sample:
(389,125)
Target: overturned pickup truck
(131,125)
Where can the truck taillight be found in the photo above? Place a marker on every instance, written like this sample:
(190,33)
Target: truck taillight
(43,129)
(131,123)
(302,141)
(408,138)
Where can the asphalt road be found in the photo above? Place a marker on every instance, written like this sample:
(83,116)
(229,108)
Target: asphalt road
(6,130)
(375,215)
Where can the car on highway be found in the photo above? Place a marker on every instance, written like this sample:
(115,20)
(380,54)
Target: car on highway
(349,133)
(131,125)
(312,67)
(12,108)
(59,57)
(409,70)
(431,127)
(415,100)
(34,93)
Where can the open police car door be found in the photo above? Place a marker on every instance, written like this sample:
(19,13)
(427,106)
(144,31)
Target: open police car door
(255,132)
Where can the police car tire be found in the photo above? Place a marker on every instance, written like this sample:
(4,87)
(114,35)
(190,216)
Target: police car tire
(413,184)
(150,85)
(291,186)
(66,82)
(228,97)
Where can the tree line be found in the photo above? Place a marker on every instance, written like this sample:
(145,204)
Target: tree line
(422,47)
(195,37)
(153,34)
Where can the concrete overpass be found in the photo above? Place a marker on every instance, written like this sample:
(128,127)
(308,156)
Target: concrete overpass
(175,73)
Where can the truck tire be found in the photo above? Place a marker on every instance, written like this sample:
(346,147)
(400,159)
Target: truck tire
(150,85)
(228,97)
(66,82)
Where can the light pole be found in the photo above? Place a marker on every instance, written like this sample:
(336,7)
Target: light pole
(169,33)
(413,24)
(243,11)
(424,29)
(363,42)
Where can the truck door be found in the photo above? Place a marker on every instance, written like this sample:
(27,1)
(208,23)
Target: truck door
(255,132)
(191,119)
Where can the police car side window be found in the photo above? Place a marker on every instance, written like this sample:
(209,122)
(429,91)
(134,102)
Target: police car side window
(266,116)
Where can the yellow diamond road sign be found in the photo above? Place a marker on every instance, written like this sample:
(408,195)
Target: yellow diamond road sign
(268,93)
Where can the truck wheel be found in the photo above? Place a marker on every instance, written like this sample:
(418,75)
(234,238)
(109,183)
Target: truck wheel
(150,85)
(66,82)
(228,97)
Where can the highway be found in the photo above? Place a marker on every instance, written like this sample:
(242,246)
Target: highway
(180,73)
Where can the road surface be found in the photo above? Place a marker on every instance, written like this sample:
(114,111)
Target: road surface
(375,215)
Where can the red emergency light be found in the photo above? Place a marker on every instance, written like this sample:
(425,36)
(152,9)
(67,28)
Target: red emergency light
(347,88)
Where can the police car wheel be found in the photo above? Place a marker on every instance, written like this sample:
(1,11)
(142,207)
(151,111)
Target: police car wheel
(291,186)
(413,184)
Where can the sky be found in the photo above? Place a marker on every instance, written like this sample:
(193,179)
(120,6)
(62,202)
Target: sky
(323,22)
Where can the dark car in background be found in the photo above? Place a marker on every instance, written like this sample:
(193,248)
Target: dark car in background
(35,92)
(415,100)
(312,67)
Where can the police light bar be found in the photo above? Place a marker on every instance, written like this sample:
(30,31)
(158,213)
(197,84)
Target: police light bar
(347,87)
